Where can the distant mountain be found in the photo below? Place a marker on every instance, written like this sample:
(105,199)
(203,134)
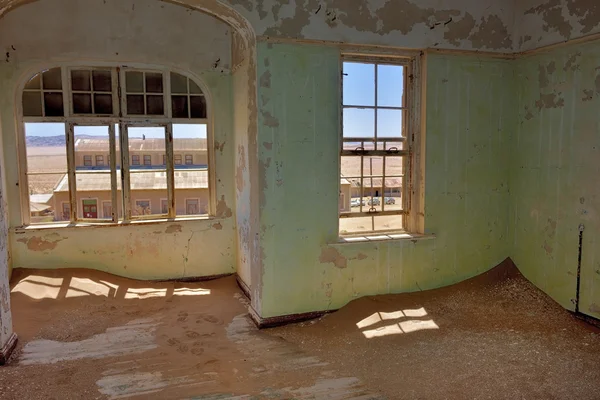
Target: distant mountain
(49,141)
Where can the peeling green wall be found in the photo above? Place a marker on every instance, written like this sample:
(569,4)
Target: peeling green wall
(469,120)
(555,167)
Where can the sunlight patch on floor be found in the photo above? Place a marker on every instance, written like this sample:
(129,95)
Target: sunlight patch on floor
(406,326)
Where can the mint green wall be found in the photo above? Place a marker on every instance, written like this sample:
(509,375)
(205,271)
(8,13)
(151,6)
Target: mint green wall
(555,169)
(469,121)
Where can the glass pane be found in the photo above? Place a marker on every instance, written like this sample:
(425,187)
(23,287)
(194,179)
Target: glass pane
(354,225)
(373,166)
(46,168)
(32,104)
(46,147)
(359,122)
(155,105)
(394,166)
(106,210)
(52,79)
(392,146)
(82,103)
(364,145)
(371,224)
(350,166)
(372,191)
(359,84)
(46,191)
(134,82)
(53,104)
(191,180)
(194,88)
(34,82)
(102,80)
(91,144)
(388,222)
(80,80)
(154,83)
(198,106)
(178,83)
(179,105)
(103,104)
(135,104)
(390,85)
(389,123)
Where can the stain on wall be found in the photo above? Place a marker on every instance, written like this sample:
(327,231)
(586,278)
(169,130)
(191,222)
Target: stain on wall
(554,169)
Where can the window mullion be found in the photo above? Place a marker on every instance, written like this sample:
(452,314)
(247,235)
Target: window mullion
(125,178)
(70,128)
(170,170)
(113,171)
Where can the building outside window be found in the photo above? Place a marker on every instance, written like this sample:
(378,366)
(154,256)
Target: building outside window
(87,161)
(135,159)
(147,159)
(99,161)
(189,159)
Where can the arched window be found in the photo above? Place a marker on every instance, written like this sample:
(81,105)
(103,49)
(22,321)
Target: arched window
(114,143)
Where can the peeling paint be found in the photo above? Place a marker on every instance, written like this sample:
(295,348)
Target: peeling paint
(268,145)
(265,79)
(218,226)
(223,211)
(36,243)
(572,62)
(269,120)
(332,255)
(173,229)
(550,100)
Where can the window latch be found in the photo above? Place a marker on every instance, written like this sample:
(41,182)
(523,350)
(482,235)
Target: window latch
(393,150)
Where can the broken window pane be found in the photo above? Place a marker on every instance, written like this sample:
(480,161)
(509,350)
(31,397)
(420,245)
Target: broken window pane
(390,85)
(32,104)
(359,84)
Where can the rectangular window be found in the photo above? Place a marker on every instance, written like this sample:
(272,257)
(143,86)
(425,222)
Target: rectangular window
(164,159)
(99,161)
(142,207)
(135,159)
(189,159)
(144,93)
(164,206)
(374,152)
(92,91)
(87,161)
(191,183)
(66,212)
(106,210)
(178,159)
(192,206)
(147,159)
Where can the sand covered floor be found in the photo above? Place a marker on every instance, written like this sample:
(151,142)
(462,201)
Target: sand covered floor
(89,335)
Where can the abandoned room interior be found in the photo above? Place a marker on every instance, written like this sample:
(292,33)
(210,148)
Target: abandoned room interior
(317,199)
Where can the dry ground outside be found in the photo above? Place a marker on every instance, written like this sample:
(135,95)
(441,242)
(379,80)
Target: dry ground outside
(88,335)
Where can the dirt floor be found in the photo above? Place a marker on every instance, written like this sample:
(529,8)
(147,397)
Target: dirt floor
(89,335)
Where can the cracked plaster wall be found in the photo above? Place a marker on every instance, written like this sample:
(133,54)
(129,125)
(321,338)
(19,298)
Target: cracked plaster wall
(554,173)
(123,32)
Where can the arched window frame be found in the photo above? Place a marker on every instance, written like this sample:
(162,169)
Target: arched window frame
(122,120)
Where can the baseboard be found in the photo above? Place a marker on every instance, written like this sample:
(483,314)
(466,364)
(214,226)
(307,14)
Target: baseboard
(243,286)
(590,320)
(272,322)
(8,348)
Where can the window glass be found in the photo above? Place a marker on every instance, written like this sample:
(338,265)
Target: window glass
(191,180)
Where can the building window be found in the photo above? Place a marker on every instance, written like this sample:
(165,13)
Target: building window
(375,147)
(189,159)
(120,112)
(192,206)
(164,206)
(142,207)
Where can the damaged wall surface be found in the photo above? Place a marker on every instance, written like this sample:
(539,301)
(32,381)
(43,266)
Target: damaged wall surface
(131,33)
(466,200)
(544,22)
(554,174)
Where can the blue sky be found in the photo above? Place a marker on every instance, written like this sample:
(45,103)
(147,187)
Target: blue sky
(180,131)
(359,90)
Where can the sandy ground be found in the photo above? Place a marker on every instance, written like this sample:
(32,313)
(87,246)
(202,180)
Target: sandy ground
(88,335)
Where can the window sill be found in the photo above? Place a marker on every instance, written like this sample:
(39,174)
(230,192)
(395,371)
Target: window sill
(86,224)
(384,237)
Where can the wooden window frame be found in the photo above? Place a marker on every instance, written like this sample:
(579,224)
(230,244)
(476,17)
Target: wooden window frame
(411,153)
(121,121)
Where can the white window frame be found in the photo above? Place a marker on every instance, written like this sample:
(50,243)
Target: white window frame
(88,120)
(412,196)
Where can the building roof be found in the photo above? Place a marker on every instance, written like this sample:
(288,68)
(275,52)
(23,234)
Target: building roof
(91,181)
(135,144)
(37,207)
(40,198)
